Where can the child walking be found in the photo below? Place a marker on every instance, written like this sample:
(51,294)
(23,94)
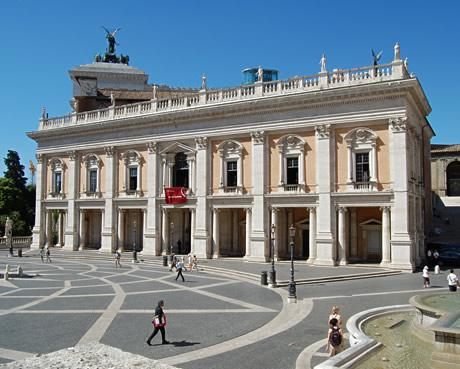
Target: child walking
(426,277)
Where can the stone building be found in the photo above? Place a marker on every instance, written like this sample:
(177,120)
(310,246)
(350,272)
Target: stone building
(445,170)
(343,156)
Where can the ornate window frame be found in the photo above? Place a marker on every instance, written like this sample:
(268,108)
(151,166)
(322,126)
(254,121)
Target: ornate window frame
(92,163)
(231,151)
(57,169)
(362,140)
(132,159)
(291,146)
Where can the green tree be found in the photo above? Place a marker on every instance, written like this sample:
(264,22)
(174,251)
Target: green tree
(14,169)
(17,201)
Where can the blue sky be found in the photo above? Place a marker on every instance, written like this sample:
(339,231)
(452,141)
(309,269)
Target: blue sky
(175,42)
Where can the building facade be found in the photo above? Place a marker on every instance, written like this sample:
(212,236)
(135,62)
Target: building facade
(342,156)
(445,169)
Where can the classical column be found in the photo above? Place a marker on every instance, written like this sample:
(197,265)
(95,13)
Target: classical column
(49,227)
(71,239)
(82,230)
(203,246)
(342,244)
(312,235)
(354,233)
(326,219)
(235,229)
(192,230)
(386,248)
(108,241)
(401,242)
(61,229)
(164,232)
(38,232)
(119,230)
(248,233)
(260,240)
(152,245)
(350,164)
(215,232)
(274,217)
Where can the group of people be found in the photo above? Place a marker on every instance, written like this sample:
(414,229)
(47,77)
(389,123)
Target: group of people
(335,339)
(432,257)
(452,279)
(45,253)
(178,263)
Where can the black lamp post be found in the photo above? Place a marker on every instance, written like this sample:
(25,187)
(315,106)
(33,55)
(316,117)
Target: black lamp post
(171,228)
(272,283)
(292,290)
(134,245)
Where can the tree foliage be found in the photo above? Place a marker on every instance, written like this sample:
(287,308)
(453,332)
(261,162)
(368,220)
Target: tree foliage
(17,201)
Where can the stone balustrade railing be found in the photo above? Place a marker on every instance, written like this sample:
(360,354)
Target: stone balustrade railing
(323,80)
(18,242)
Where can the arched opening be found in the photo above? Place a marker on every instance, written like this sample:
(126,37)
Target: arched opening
(453,179)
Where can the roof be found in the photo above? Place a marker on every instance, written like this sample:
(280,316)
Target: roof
(445,148)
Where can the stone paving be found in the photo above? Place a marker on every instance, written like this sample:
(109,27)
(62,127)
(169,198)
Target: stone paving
(219,318)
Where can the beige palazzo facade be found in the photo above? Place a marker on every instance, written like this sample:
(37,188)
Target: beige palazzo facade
(343,156)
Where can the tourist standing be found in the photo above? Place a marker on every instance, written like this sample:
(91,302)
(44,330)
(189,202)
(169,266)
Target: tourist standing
(190,262)
(195,263)
(117,259)
(159,320)
(335,338)
(426,277)
(452,280)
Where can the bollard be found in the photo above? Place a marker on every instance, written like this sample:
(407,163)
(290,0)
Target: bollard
(165,261)
(263,278)
(20,272)
(437,269)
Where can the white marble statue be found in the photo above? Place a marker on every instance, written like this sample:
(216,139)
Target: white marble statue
(260,74)
(397,51)
(323,63)
(8,227)
(204,85)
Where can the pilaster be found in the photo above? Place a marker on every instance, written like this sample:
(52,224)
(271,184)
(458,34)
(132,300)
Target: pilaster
(71,236)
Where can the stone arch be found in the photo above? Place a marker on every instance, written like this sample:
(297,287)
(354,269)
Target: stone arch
(453,178)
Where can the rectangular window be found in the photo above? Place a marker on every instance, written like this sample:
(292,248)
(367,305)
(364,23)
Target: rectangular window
(132,179)
(93,180)
(57,182)
(292,171)
(362,167)
(232,174)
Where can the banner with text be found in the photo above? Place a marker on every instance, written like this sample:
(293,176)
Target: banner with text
(175,195)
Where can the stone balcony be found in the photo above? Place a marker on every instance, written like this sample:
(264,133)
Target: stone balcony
(325,80)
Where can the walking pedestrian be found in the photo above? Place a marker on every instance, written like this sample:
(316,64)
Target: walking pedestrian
(179,267)
(452,280)
(195,263)
(173,262)
(48,254)
(335,315)
(426,277)
(335,338)
(159,321)
(42,254)
(190,262)
(117,259)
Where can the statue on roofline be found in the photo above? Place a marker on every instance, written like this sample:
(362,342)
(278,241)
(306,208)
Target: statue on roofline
(110,55)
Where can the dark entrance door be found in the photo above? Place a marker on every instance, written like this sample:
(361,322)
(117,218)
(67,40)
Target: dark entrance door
(453,179)
(306,243)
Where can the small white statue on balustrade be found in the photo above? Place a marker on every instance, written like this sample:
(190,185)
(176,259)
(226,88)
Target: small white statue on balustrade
(260,74)
(323,63)
(43,112)
(112,99)
(406,63)
(204,85)
(397,51)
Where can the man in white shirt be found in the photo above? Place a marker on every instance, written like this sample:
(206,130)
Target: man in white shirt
(453,281)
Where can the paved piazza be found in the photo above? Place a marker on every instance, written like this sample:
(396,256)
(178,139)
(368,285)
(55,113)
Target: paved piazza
(219,318)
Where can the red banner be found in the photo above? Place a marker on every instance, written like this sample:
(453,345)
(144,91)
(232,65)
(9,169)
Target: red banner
(175,195)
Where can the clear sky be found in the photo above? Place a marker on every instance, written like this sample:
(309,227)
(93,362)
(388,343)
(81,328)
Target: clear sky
(176,42)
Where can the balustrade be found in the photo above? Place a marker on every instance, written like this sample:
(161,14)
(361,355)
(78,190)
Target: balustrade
(336,78)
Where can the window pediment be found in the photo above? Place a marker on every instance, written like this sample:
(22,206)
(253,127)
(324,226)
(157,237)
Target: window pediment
(290,143)
(131,157)
(361,136)
(56,163)
(92,161)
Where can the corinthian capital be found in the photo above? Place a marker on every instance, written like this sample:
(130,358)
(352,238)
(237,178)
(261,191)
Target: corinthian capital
(257,137)
(399,124)
(323,131)
(201,142)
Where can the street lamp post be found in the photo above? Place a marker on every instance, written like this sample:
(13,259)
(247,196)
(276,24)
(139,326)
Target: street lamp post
(292,298)
(272,283)
(171,228)
(134,245)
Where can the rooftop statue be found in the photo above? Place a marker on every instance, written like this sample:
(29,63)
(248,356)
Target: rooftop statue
(376,59)
(110,55)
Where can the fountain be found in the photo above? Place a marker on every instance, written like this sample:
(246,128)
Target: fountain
(389,336)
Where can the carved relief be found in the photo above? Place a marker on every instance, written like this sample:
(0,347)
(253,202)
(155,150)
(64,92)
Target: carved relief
(323,131)
(399,124)
(258,137)
(201,142)
(72,154)
(109,150)
(152,147)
